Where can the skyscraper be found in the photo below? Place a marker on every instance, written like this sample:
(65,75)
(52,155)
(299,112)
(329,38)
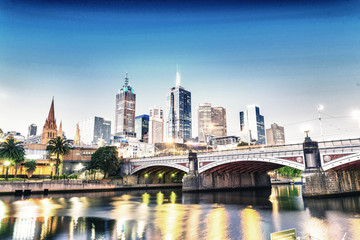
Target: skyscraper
(156,126)
(125,110)
(142,127)
(275,135)
(179,112)
(32,130)
(252,125)
(212,122)
(93,129)
(50,128)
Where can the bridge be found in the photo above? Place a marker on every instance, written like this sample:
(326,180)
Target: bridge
(248,166)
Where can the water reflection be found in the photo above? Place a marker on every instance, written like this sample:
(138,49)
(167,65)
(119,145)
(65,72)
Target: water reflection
(170,214)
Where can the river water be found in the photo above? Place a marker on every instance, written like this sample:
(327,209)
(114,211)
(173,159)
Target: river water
(171,214)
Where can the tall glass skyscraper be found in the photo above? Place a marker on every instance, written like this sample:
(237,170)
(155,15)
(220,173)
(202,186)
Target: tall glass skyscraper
(252,125)
(179,112)
(142,127)
(125,110)
(212,122)
(93,129)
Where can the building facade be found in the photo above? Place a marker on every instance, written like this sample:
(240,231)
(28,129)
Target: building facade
(142,127)
(252,125)
(125,110)
(211,122)
(32,130)
(94,129)
(179,113)
(50,129)
(275,135)
(156,125)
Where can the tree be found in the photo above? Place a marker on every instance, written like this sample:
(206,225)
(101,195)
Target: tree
(58,146)
(13,151)
(30,167)
(105,159)
(289,171)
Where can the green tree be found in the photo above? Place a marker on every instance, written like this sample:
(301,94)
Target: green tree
(30,167)
(289,171)
(58,146)
(13,151)
(105,159)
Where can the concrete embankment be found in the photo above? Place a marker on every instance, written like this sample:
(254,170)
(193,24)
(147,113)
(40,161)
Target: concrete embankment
(72,186)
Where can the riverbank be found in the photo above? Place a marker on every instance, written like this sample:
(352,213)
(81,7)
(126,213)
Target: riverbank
(64,186)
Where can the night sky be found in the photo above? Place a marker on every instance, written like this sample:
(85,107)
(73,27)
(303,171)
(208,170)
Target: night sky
(285,56)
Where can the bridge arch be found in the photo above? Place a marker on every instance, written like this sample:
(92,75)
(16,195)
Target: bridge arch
(169,165)
(251,164)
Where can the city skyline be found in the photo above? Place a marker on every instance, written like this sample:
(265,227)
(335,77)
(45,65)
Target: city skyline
(287,59)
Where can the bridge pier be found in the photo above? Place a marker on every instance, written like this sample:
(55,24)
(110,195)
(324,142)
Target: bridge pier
(221,180)
(318,183)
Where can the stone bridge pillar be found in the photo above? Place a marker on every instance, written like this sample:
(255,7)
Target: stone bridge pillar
(318,183)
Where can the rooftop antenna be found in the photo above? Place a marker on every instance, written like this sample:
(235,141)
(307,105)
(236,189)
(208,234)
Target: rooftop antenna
(126,80)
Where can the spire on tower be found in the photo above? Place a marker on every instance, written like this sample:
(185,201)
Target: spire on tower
(178,76)
(126,80)
(51,116)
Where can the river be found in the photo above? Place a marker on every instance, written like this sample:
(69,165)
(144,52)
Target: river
(171,214)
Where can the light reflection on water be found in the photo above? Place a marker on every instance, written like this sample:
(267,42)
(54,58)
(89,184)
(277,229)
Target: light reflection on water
(171,214)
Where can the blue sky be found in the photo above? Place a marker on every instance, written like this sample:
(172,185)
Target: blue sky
(285,57)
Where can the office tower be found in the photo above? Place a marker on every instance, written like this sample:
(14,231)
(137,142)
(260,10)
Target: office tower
(212,122)
(252,125)
(50,129)
(156,126)
(93,129)
(32,130)
(275,135)
(125,110)
(142,127)
(179,112)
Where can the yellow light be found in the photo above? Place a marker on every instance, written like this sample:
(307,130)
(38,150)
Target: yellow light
(173,175)
(160,175)
(146,198)
(173,197)
(51,164)
(159,198)
(7,163)
(146,175)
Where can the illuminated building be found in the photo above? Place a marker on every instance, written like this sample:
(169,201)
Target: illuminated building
(125,110)
(142,127)
(179,113)
(156,126)
(211,122)
(32,130)
(93,129)
(252,125)
(275,135)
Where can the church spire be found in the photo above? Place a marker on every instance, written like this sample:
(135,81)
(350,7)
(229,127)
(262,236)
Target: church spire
(50,129)
(77,135)
(60,133)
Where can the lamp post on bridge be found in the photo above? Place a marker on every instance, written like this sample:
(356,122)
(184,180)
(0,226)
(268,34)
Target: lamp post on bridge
(320,107)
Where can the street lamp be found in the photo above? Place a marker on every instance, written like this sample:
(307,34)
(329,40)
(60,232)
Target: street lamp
(320,107)
(7,163)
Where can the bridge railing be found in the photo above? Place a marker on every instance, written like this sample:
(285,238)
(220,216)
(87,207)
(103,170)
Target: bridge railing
(261,149)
